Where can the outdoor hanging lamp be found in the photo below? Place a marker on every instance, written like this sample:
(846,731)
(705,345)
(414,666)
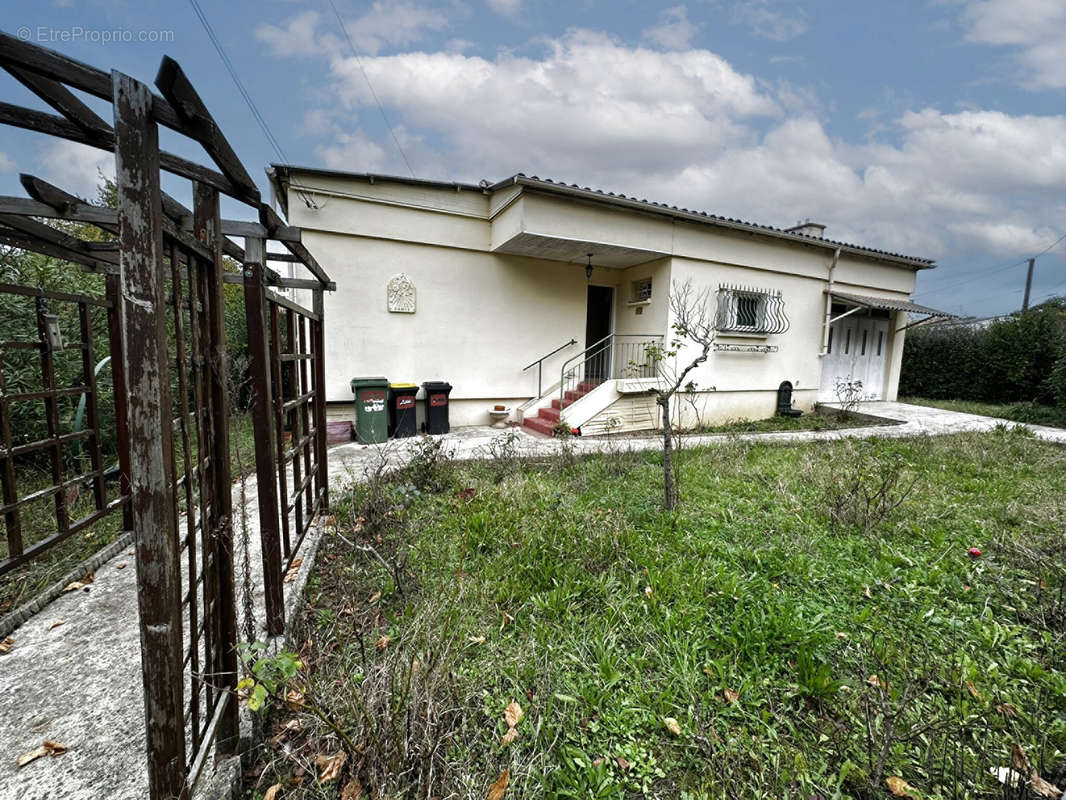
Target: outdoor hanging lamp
(588,268)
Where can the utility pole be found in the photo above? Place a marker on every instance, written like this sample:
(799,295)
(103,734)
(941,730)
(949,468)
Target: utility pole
(1028,285)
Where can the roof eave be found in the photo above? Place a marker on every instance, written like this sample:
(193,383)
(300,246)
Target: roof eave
(708,219)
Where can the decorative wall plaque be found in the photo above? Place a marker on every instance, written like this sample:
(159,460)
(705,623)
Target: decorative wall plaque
(401,294)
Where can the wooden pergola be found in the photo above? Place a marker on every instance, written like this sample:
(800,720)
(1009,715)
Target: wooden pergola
(165,265)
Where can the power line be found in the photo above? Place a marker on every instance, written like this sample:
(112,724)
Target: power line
(381,108)
(996,268)
(274,143)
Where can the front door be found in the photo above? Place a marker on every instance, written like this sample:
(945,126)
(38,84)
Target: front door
(858,351)
(598,325)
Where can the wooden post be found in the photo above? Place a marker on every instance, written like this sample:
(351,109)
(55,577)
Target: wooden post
(318,345)
(144,316)
(207,227)
(263,421)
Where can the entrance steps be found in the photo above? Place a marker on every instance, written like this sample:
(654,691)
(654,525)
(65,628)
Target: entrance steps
(548,417)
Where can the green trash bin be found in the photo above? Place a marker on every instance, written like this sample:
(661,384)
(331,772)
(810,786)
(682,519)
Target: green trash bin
(371,410)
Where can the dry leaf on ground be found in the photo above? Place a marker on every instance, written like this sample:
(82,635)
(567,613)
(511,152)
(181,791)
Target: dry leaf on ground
(672,725)
(510,736)
(513,714)
(876,682)
(497,789)
(120,565)
(383,642)
(352,790)
(6,645)
(49,748)
(973,690)
(374,598)
(56,624)
(900,788)
(330,766)
(622,764)
(294,570)
(73,587)
(730,695)
(272,792)
(294,700)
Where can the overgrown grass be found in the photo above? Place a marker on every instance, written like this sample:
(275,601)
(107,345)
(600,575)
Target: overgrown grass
(1032,413)
(38,521)
(802,654)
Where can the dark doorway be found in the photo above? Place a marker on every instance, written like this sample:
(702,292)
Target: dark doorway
(598,327)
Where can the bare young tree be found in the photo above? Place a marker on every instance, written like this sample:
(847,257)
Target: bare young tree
(693,315)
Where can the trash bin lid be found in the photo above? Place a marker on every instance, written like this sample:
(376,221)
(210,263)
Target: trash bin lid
(437,386)
(404,386)
(376,382)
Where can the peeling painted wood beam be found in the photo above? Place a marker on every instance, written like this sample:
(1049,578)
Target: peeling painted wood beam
(273,223)
(42,122)
(176,87)
(61,99)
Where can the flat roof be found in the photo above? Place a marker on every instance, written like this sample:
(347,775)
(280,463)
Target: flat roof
(280,173)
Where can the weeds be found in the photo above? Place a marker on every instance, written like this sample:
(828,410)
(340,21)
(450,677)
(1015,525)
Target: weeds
(747,616)
(862,484)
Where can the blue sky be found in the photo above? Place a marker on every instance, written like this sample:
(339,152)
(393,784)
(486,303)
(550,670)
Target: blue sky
(928,127)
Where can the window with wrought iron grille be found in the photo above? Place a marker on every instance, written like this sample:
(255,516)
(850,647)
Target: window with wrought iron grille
(744,309)
(641,290)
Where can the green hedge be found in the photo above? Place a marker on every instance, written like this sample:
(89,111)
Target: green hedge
(1021,359)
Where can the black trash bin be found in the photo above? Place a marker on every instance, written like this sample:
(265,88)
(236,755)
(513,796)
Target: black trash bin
(437,406)
(402,409)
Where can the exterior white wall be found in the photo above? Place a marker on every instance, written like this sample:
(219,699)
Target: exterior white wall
(482,316)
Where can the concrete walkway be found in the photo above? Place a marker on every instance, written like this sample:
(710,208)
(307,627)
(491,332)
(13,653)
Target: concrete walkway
(79,683)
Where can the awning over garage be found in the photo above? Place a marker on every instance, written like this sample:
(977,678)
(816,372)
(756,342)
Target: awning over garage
(886,304)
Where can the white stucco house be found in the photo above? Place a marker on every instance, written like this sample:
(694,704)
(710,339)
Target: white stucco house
(542,297)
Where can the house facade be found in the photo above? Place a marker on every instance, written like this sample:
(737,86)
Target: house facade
(552,300)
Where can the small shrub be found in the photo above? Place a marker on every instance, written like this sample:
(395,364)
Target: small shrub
(428,467)
(848,392)
(861,486)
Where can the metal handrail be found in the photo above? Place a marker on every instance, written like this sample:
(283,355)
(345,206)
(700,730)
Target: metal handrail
(539,363)
(598,349)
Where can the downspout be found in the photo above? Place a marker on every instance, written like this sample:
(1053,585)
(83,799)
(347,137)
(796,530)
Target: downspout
(829,305)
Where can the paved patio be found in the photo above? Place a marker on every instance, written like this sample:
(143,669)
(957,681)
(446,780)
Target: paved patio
(79,683)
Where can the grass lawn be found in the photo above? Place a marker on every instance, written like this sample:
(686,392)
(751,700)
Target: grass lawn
(748,645)
(38,522)
(1032,413)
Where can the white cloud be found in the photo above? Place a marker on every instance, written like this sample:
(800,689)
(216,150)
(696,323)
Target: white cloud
(74,167)
(6,164)
(353,152)
(508,8)
(686,127)
(1035,29)
(587,100)
(674,31)
(384,24)
(765,18)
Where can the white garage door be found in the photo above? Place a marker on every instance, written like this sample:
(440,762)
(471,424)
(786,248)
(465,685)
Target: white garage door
(858,350)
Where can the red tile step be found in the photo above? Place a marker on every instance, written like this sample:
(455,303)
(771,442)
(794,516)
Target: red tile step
(548,418)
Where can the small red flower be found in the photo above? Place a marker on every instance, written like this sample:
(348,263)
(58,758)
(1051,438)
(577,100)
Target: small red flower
(575,431)
(467,493)
(975,552)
